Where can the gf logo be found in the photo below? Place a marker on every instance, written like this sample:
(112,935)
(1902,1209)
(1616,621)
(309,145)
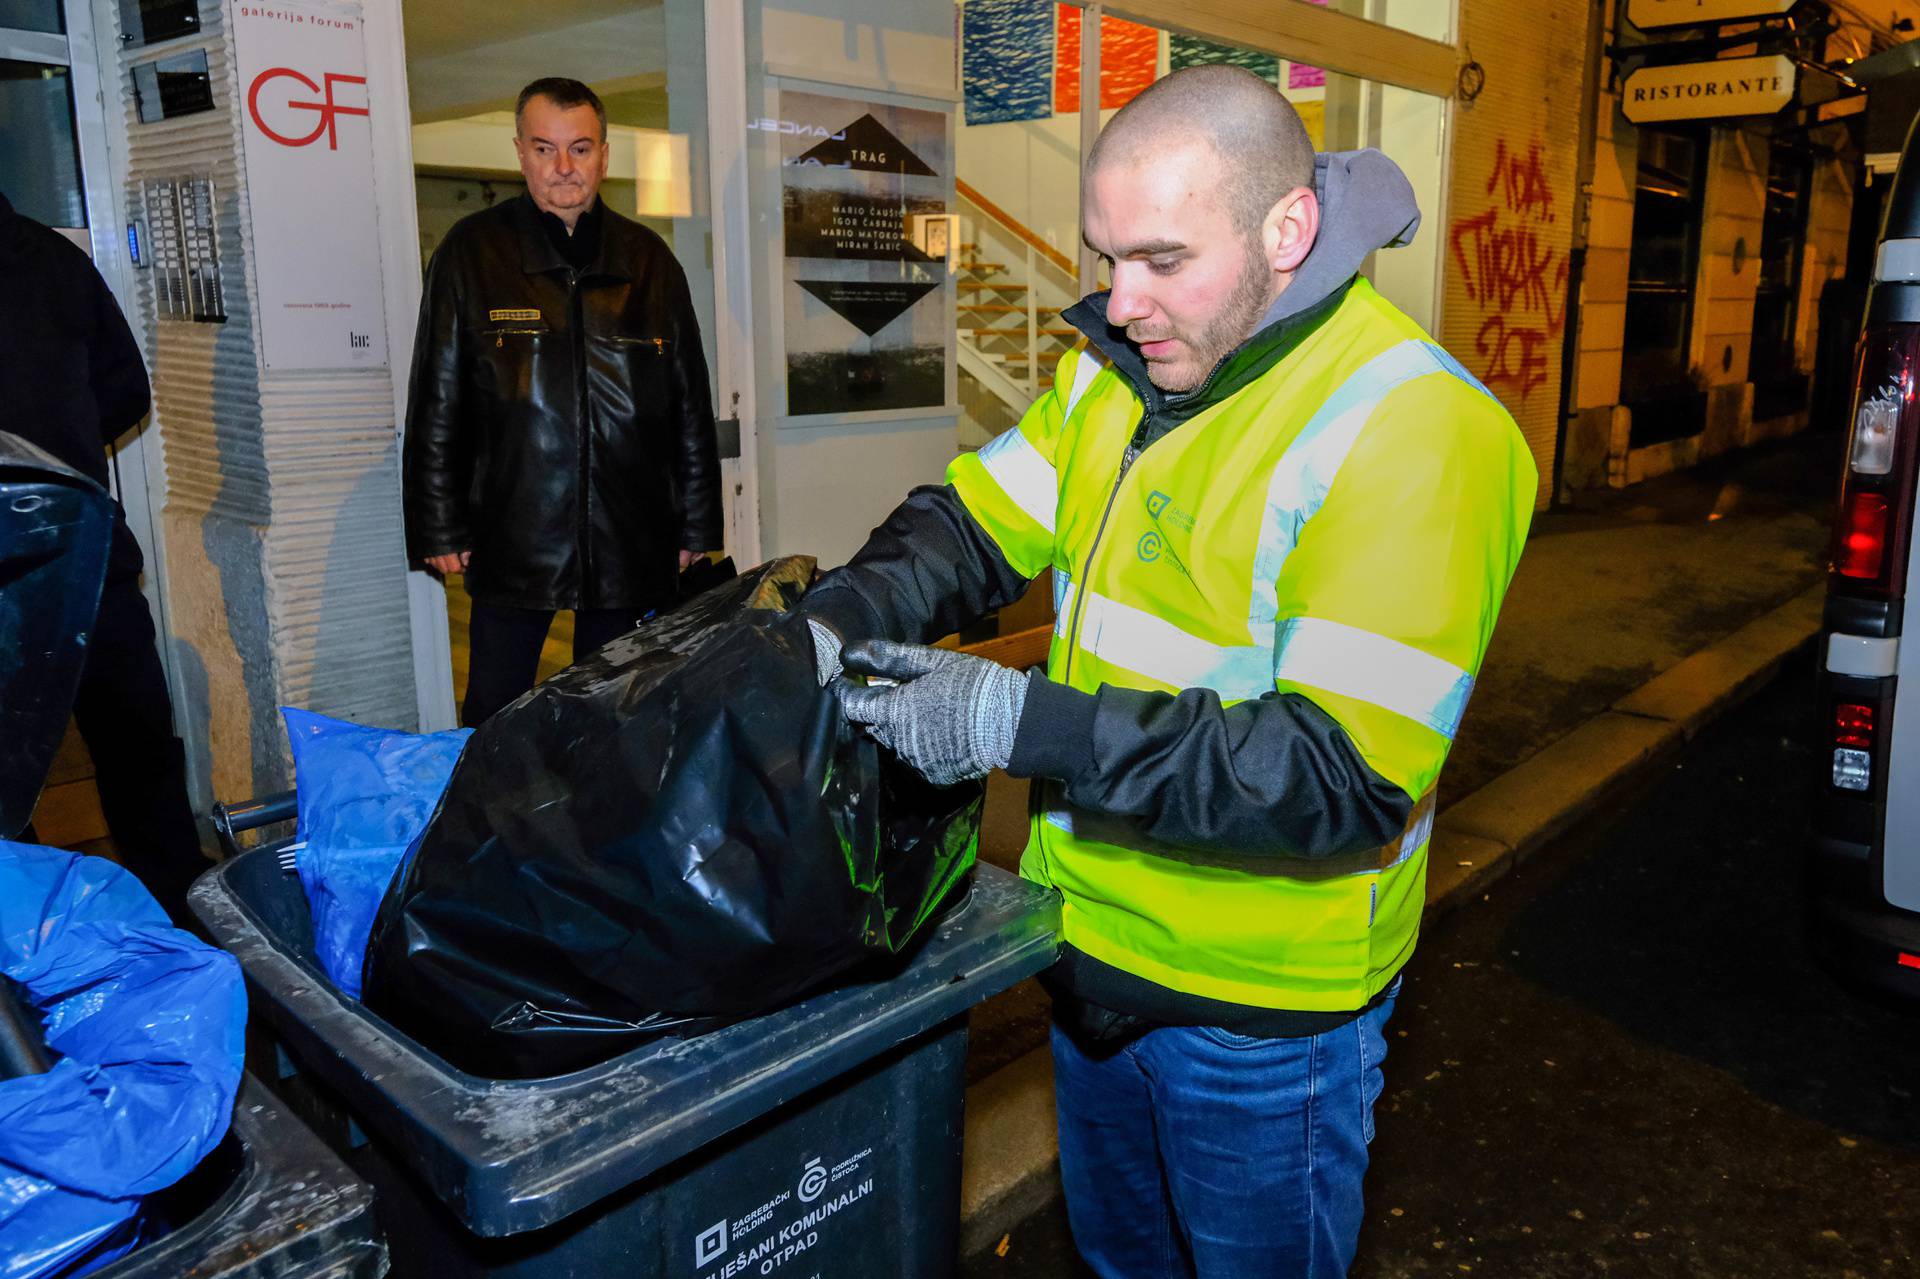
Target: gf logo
(328,110)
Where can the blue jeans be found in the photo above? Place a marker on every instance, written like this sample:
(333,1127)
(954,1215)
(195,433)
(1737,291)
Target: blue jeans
(1193,1151)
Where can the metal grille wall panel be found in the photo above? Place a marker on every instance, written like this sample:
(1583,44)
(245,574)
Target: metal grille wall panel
(295,585)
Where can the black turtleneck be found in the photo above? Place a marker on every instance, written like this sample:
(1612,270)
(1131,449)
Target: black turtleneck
(579,248)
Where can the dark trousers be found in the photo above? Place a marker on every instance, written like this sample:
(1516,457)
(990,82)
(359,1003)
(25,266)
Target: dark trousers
(504,650)
(140,767)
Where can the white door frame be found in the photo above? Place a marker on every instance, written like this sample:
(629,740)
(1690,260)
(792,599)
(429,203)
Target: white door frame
(399,224)
(733,352)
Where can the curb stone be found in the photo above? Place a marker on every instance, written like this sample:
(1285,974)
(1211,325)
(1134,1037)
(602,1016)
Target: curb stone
(1010,1162)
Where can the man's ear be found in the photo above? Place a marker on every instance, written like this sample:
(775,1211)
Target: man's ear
(1291,227)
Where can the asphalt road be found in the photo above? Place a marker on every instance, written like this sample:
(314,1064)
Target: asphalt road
(1623,1061)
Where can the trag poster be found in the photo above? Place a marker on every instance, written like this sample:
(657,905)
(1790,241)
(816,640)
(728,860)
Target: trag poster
(869,317)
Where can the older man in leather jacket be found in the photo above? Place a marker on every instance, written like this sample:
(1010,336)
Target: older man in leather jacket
(560,440)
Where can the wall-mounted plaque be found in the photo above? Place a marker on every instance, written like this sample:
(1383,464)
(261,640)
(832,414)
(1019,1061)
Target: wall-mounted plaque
(1651,15)
(307,127)
(868,314)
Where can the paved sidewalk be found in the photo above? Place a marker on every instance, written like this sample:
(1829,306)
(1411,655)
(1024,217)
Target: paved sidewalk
(1634,619)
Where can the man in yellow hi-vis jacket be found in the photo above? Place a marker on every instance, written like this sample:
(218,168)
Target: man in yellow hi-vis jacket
(1280,521)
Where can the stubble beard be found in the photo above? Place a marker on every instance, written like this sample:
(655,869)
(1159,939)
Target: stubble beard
(1234,323)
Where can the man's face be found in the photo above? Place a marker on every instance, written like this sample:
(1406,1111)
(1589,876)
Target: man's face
(1188,286)
(562,156)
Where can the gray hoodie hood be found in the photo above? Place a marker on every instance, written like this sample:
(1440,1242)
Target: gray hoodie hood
(1366,203)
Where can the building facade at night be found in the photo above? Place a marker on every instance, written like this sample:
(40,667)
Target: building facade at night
(877,205)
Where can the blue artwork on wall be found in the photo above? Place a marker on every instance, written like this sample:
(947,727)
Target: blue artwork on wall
(1007,60)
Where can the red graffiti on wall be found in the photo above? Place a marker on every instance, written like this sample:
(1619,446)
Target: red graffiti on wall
(1525,181)
(1519,281)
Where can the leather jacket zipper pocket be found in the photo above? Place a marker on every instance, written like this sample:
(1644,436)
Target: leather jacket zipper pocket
(659,345)
(500,336)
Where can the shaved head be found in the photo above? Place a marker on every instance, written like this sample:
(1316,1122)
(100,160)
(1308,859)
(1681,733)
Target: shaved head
(1199,197)
(1262,147)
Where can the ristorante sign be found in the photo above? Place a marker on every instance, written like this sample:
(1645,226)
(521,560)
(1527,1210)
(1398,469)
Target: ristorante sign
(1651,15)
(1708,90)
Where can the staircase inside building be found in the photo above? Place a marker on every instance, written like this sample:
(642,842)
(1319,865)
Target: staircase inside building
(1013,286)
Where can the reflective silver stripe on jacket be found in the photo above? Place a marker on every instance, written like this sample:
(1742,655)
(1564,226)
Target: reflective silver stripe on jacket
(1023,475)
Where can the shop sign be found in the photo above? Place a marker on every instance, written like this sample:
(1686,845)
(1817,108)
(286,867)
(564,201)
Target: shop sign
(1708,90)
(1651,15)
(307,123)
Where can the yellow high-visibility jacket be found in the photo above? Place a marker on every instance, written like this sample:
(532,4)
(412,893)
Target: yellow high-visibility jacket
(1273,597)
(1343,527)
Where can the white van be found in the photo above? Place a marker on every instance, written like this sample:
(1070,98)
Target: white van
(1864,863)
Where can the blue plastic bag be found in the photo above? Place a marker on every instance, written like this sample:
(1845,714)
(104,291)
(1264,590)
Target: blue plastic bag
(364,796)
(147,1025)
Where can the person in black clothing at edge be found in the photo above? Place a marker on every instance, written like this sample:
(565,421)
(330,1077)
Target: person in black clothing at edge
(560,441)
(71,380)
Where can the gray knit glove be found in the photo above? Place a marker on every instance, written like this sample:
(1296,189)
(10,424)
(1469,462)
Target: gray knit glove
(826,652)
(950,715)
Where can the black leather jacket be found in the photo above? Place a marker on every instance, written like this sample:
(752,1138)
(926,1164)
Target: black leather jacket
(559,424)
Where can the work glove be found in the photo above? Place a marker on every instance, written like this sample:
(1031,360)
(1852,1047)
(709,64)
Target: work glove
(826,652)
(950,715)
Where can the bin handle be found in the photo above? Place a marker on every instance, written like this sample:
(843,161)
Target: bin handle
(229,820)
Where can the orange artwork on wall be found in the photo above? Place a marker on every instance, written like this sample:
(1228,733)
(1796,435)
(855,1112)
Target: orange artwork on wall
(1129,56)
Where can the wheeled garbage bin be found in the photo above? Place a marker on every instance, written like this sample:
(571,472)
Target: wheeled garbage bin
(819,1140)
(270,1201)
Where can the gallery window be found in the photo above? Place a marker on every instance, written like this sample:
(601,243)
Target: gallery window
(1667,398)
(1779,387)
(37,143)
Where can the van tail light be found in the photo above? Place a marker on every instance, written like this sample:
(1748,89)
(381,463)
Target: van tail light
(1871,527)
(1862,548)
(1853,746)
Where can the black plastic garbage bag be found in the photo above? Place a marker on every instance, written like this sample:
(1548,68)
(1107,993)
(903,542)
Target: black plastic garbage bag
(677,832)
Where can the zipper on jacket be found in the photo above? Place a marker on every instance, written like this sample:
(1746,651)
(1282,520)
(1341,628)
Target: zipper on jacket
(1086,572)
(1134,449)
(583,526)
(1080,602)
